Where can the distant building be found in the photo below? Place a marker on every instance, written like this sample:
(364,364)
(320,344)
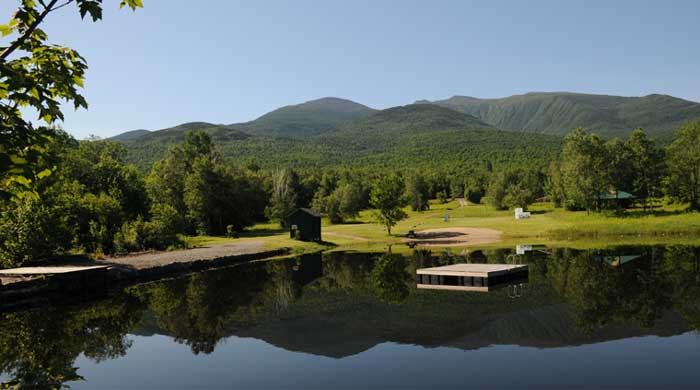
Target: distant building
(617,199)
(305,225)
(618,260)
(521,214)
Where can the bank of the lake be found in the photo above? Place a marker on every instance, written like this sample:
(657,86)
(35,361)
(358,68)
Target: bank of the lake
(548,225)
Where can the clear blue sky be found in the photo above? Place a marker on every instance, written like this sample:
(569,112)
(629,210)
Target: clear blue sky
(229,61)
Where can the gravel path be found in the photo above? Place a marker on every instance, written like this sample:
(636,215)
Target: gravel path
(157,259)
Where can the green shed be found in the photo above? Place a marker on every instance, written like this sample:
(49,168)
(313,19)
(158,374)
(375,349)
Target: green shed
(305,225)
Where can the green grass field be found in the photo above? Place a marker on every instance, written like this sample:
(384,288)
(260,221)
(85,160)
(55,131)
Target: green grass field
(549,226)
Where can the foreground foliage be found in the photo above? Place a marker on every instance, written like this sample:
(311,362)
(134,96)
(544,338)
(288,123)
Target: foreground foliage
(36,76)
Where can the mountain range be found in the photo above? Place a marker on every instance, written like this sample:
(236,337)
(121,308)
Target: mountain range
(333,131)
(560,112)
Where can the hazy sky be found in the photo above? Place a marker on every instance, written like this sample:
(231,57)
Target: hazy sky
(229,61)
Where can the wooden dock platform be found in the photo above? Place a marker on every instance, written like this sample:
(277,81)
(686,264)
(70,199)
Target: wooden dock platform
(50,270)
(470,277)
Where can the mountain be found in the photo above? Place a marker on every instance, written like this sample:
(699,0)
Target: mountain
(133,134)
(396,137)
(411,119)
(561,112)
(307,119)
(294,121)
(176,134)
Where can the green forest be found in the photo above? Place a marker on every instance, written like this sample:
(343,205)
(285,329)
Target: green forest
(95,202)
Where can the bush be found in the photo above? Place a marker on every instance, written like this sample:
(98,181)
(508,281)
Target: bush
(165,224)
(474,196)
(442,197)
(231,231)
(158,233)
(130,237)
(30,231)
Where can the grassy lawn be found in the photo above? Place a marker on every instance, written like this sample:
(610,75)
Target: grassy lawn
(554,227)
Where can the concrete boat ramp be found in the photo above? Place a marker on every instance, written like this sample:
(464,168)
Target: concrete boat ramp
(25,286)
(470,277)
(50,270)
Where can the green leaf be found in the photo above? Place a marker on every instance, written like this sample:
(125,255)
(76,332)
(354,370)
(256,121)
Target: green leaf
(78,80)
(17,159)
(7,29)
(44,173)
(92,7)
(133,4)
(20,180)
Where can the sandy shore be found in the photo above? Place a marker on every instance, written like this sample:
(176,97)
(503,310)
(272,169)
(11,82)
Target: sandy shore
(455,236)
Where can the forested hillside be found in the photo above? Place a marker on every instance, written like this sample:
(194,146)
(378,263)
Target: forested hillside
(333,131)
(306,119)
(133,134)
(560,112)
(397,137)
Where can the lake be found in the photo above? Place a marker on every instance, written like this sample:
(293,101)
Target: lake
(615,317)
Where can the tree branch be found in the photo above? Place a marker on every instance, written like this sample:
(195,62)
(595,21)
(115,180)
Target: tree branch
(29,30)
(62,5)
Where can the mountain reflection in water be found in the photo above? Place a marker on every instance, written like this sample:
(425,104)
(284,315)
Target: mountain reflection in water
(341,304)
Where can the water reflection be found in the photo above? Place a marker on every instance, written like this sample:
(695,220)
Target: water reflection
(340,304)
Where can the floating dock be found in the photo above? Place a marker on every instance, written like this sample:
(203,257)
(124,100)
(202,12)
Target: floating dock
(470,277)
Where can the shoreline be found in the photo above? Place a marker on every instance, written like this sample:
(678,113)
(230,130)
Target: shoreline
(85,279)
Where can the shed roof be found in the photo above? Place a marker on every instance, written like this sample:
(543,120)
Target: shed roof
(616,195)
(619,260)
(307,211)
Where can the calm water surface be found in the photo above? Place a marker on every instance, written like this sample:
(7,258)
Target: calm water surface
(622,317)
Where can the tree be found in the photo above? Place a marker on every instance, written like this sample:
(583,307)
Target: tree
(475,186)
(442,197)
(218,196)
(343,203)
(647,165)
(101,167)
(684,166)
(37,76)
(284,198)
(97,193)
(554,184)
(82,206)
(619,171)
(417,193)
(387,198)
(513,188)
(194,179)
(583,169)
(203,185)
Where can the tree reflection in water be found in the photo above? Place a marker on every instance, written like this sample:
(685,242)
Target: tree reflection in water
(38,348)
(390,279)
(362,299)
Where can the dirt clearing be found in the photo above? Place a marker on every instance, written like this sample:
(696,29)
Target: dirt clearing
(455,236)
